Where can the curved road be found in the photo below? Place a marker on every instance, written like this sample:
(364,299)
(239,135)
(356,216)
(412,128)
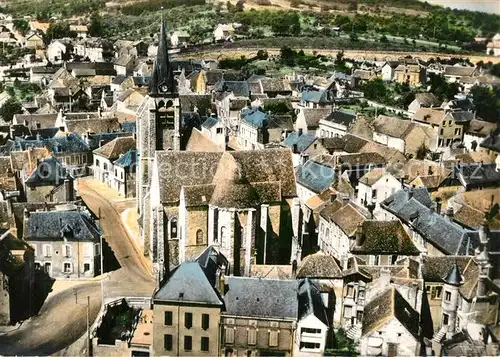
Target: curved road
(62,320)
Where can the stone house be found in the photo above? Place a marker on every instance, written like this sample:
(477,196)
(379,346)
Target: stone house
(388,70)
(414,75)
(423,100)
(316,99)
(493,47)
(59,50)
(477,131)
(125,173)
(48,182)
(179,39)
(303,146)
(34,41)
(308,119)
(223,32)
(403,135)
(66,243)
(456,74)
(81,30)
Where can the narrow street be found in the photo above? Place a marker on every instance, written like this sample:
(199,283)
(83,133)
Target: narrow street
(62,319)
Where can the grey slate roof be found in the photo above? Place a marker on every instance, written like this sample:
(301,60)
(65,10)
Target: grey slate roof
(128,159)
(59,225)
(238,88)
(303,141)
(49,172)
(442,233)
(474,175)
(189,284)
(209,122)
(69,143)
(315,176)
(342,116)
(492,142)
(256,297)
(310,301)
(454,277)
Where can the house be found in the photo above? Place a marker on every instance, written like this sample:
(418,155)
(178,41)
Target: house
(257,129)
(125,173)
(179,39)
(49,183)
(124,65)
(360,76)
(17,279)
(313,178)
(224,32)
(454,74)
(93,49)
(66,243)
(316,99)
(431,232)
(493,47)
(308,119)
(34,41)
(388,70)
(450,124)
(303,146)
(492,143)
(414,75)
(473,176)
(214,129)
(403,135)
(336,124)
(187,310)
(388,320)
(106,155)
(81,30)
(59,50)
(423,100)
(42,75)
(374,187)
(476,132)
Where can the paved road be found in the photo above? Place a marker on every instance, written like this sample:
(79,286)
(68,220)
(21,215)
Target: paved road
(61,320)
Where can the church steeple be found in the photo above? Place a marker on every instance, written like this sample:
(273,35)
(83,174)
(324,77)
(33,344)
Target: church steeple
(162,79)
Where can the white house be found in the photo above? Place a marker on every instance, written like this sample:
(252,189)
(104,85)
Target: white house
(493,47)
(224,32)
(179,39)
(57,49)
(476,132)
(81,30)
(312,325)
(374,187)
(336,123)
(388,70)
(214,129)
(390,326)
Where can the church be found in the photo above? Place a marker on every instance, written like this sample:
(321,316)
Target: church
(243,203)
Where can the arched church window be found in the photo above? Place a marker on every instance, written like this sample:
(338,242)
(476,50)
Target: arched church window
(222,234)
(161,104)
(173,228)
(169,104)
(199,236)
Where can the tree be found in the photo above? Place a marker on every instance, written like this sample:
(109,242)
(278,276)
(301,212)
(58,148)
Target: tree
(487,102)
(10,108)
(384,39)
(422,151)
(495,69)
(21,25)
(59,30)
(353,36)
(288,56)
(375,90)
(96,25)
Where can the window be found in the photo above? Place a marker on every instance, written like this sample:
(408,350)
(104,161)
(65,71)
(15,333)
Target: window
(47,250)
(199,236)
(446,319)
(67,267)
(37,266)
(441,131)
(116,172)
(188,343)
(67,250)
(273,338)
(97,162)
(205,321)
(436,292)
(167,342)
(359,316)
(374,194)
(309,345)
(205,344)
(47,268)
(447,295)
(168,318)
(458,131)
(97,250)
(347,311)
(188,320)
(121,175)
(309,330)
(105,166)
(219,131)
(392,349)
(377,259)
(229,335)
(350,291)
(173,228)
(252,336)
(86,267)
(222,234)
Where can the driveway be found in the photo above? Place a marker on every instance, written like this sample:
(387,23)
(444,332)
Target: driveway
(62,320)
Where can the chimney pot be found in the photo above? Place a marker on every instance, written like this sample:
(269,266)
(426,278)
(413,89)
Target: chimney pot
(359,235)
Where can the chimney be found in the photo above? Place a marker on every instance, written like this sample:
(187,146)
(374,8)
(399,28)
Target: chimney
(69,188)
(482,285)
(222,282)
(295,149)
(300,132)
(449,213)
(26,214)
(294,268)
(359,235)
(333,196)
(438,205)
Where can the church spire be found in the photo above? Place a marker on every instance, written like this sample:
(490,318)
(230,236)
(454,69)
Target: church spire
(162,79)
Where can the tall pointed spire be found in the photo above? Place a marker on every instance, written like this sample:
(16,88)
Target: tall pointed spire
(162,79)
